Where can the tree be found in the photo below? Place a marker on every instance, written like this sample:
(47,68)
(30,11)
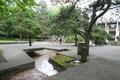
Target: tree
(100,5)
(43,19)
(8,9)
(98,9)
(27,24)
(67,25)
(7,24)
(11,6)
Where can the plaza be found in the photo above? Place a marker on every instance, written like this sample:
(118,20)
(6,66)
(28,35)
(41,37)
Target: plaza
(110,53)
(59,40)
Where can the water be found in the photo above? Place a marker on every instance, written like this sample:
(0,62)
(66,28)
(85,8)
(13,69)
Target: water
(43,65)
(42,69)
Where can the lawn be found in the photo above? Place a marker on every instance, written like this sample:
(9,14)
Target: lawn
(11,41)
(114,43)
(7,40)
(14,40)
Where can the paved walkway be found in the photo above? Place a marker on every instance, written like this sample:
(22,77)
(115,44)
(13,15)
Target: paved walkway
(18,59)
(96,69)
(14,52)
(109,52)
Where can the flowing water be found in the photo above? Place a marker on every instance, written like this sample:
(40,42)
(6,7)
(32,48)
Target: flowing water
(45,67)
(42,69)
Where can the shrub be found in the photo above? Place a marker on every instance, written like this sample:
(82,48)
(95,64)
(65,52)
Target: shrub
(71,39)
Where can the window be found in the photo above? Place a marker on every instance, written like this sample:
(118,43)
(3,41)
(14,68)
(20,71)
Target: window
(113,26)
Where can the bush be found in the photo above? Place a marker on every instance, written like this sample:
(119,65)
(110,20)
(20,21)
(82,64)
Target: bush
(99,36)
(71,39)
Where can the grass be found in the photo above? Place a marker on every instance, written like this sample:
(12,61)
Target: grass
(63,60)
(114,43)
(14,40)
(7,40)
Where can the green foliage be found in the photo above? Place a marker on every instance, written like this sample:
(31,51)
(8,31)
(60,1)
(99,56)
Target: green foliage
(2,33)
(99,35)
(17,17)
(29,27)
(58,26)
(71,39)
(12,6)
(43,20)
(70,21)
(58,10)
(64,23)
(6,25)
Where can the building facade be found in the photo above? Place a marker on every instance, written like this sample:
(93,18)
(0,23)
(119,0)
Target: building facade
(113,29)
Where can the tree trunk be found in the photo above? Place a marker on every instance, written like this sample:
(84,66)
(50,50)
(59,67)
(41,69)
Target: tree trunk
(87,45)
(86,48)
(20,36)
(76,39)
(8,34)
(30,41)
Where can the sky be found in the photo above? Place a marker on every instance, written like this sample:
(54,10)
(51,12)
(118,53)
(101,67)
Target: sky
(48,2)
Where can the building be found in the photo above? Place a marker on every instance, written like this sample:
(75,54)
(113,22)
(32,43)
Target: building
(113,29)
